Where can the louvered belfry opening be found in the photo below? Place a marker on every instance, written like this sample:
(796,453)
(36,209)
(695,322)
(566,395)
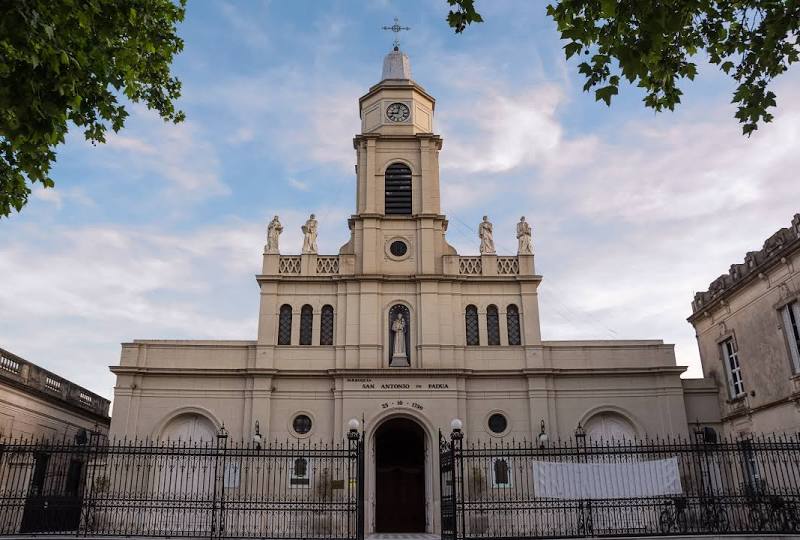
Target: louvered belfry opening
(398,189)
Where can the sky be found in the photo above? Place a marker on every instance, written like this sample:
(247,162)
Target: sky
(158,234)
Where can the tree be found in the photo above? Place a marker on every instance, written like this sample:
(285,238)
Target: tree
(652,44)
(69,62)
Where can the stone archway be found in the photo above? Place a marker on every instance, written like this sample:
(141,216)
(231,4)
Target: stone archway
(400,477)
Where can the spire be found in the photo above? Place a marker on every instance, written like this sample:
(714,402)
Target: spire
(396,64)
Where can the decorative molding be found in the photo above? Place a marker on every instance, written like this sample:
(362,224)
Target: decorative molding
(756,263)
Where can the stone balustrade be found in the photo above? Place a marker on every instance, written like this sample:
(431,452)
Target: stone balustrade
(311,264)
(775,248)
(20,371)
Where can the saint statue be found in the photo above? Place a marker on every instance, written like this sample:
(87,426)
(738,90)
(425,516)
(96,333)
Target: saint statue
(399,341)
(524,237)
(486,236)
(274,230)
(310,235)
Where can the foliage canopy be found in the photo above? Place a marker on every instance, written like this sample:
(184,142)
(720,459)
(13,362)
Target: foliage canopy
(71,61)
(652,44)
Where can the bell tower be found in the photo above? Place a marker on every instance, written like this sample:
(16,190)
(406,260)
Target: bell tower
(398,227)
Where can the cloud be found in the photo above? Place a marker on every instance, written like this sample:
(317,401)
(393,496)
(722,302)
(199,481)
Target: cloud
(298,185)
(180,154)
(508,131)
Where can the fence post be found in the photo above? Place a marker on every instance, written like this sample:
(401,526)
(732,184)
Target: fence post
(356,452)
(457,457)
(218,520)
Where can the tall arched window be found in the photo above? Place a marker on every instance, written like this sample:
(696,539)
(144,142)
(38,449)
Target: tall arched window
(326,326)
(492,325)
(471,320)
(285,325)
(398,189)
(306,323)
(512,321)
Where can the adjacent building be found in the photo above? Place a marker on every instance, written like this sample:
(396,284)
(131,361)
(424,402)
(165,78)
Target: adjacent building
(748,331)
(38,404)
(404,334)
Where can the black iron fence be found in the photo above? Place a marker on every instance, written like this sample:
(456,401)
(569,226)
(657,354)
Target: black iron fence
(654,487)
(215,489)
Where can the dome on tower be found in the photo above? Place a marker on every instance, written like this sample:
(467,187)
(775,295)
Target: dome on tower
(396,66)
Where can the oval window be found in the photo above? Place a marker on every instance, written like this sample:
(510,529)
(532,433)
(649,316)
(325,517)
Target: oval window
(301,424)
(398,248)
(498,423)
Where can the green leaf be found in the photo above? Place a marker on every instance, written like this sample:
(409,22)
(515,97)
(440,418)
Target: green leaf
(605,94)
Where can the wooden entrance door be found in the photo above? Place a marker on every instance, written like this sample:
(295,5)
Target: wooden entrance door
(400,477)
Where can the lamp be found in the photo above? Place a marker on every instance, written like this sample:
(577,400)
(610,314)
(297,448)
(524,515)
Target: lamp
(352,426)
(580,435)
(257,439)
(543,438)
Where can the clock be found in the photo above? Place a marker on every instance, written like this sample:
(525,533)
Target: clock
(397,112)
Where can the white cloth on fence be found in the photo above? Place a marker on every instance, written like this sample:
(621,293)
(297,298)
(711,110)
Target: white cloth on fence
(606,480)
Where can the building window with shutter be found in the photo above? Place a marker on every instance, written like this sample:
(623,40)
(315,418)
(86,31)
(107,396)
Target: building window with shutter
(306,324)
(285,325)
(471,319)
(730,354)
(326,326)
(397,189)
(791,328)
(512,322)
(492,325)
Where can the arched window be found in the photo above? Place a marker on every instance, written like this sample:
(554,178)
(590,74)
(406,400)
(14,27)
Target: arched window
(471,319)
(285,325)
(501,476)
(326,326)
(492,325)
(512,321)
(398,189)
(306,323)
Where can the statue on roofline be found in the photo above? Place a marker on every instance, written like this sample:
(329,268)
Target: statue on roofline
(274,230)
(310,235)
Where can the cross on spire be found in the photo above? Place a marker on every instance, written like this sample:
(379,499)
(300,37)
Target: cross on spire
(396,28)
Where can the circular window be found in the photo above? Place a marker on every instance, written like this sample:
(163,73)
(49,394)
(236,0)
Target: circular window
(398,248)
(301,424)
(497,423)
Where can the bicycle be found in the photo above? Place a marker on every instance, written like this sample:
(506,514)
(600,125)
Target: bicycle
(673,517)
(713,516)
(780,515)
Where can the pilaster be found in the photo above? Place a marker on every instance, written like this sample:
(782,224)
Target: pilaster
(489,265)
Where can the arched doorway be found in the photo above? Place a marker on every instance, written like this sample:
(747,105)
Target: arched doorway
(400,477)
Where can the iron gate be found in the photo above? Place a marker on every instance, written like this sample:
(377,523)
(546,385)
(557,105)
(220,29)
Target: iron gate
(217,489)
(655,487)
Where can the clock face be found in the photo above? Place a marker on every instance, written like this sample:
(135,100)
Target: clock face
(397,112)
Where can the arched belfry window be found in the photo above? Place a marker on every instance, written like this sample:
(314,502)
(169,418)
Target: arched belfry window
(326,326)
(398,189)
(471,320)
(512,321)
(306,323)
(285,325)
(492,325)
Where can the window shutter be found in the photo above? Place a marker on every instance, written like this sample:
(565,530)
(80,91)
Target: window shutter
(397,189)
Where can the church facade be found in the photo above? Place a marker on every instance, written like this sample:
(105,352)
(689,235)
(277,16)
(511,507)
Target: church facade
(403,334)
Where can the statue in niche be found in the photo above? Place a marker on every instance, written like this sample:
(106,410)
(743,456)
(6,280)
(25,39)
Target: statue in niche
(525,247)
(487,237)
(274,230)
(399,338)
(310,235)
